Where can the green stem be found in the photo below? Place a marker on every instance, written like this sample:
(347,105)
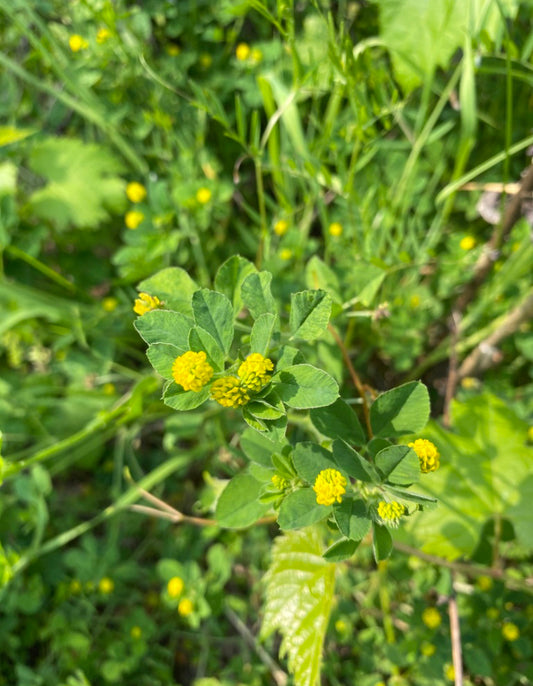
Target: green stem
(41,267)
(263,250)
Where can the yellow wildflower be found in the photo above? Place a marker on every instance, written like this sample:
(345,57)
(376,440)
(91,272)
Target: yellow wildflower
(335,229)
(109,389)
(390,513)
(242,53)
(203,196)
(185,607)
(106,585)
(75,586)
(133,218)
(510,631)
(329,487)
(427,649)
(229,392)
(427,454)
(285,254)
(484,583)
(431,617)
(136,632)
(530,434)
(281,227)
(109,304)
(469,383)
(102,34)
(192,371)
(449,672)
(135,191)
(279,482)
(175,587)
(173,50)
(253,372)
(467,243)
(145,303)
(77,43)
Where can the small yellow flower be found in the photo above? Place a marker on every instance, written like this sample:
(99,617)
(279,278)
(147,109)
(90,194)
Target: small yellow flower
(431,617)
(146,303)
(335,229)
(330,486)
(109,304)
(203,196)
(133,218)
(469,383)
(285,254)
(414,301)
(242,53)
(185,607)
(173,50)
(229,392)
(253,372)
(390,513)
(281,227)
(106,585)
(256,55)
(102,34)
(449,672)
(205,60)
(530,434)
(484,583)
(341,626)
(427,649)
(175,586)
(77,43)
(467,243)
(75,586)
(427,454)
(279,482)
(135,191)
(192,371)
(136,632)
(109,389)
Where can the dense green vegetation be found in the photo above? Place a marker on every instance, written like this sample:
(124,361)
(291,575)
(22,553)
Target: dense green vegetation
(332,200)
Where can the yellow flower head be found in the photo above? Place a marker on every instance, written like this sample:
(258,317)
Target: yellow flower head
(173,50)
(203,196)
(390,513)
(427,454)
(279,482)
(136,632)
(330,486)
(135,191)
(175,587)
(427,649)
(146,303)
(77,43)
(335,229)
(133,218)
(109,389)
(102,34)
(431,617)
(285,254)
(253,372)
(106,585)
(449,672)
(467,243)
(484,583)
(530,434)
(109,304)
(242,53)
(229,392)
(281,227)
(469,383)
(510,631)
(185,607)
(192,371)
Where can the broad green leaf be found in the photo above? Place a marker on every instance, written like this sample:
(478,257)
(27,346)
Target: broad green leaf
(8,179)
(300,509)
(10,134)
(258,448)
(256,294)
(199,340)
(214,313)
(399,465)
(162,356)
(354,464)
(164,326)
(381,542)
(352,518)
(485,472)
(338,420)
(341,550)
(173,286)
(264,333)
(262,409)
(402,410)
(239,505)
(299,597)
(310,313)
(229,279)
(257,424)
(310,459)
(319,275)
(174,396)
(303,386)
(289,356)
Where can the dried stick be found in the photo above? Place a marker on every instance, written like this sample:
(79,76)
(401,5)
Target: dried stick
(455,631)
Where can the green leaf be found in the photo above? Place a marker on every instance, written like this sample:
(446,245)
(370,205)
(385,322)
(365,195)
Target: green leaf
(299,597)
(310,459)
(300,509)
(310,313)
(256,294)
(264,330)
(381,542)
(174,396)
(199,340)
(164,326)
(289,356)
(352,518)
(338,421)
(258,448)
(162,356)
(173,286)
(354,464)
(402,410)
(319,275)
(261,409)
(239,505)
(341,550)
(230,277)
(399,465)
(303,386)
(83,184)
(214,313)
(10,134)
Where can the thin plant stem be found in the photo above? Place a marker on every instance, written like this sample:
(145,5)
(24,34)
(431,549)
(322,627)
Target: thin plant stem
(13,251)
(455,633)
(264,247)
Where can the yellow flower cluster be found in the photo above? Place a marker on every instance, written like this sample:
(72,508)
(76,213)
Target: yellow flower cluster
(390,513)
(330,486)
(175,586)
(427,454)
(203,196)
(253,372)
(467,243)
(431,617)
(233,391)
(146,303)
(135,191)
(192,371)
(335,229)
(279,482)
(133,218)
(510,631)
(229,392)
(77,43)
